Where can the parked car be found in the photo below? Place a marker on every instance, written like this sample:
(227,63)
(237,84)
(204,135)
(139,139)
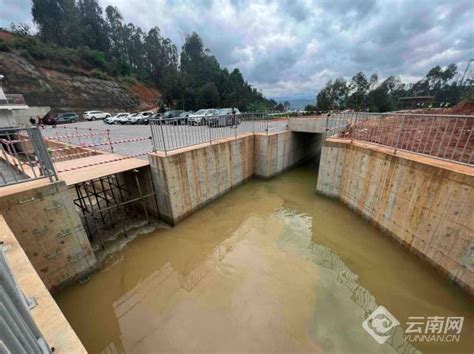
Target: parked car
(139,118)
(116,118)
(144,117)
(131,118)
(183,117)
(61,118)
(201,117)
(225,117)
(156,116)
(172,117)
(93,115)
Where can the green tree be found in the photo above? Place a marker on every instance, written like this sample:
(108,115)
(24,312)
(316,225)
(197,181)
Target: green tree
(93,26)
(333,96)
(57,21)
(359,86)
(208,96)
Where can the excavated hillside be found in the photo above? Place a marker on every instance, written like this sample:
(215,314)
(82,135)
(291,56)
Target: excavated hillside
(65,91)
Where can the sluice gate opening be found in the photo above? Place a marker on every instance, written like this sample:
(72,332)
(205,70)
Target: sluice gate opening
(108,205)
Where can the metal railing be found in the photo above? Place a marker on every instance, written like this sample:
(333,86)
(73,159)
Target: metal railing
(447,137)
(19,333)
(83,137)
(24,156)
(174,133)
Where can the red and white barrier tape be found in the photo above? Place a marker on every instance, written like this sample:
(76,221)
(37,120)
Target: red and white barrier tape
(103,162)
(103,144)
(76,135)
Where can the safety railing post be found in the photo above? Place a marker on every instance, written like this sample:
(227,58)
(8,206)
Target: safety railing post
(399,135)
(42,153)
(209,131)
(354,128)
(163,136)
(153,136)
(327,126)
(110,141)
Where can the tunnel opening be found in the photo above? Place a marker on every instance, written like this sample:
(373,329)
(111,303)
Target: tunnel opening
(312,144)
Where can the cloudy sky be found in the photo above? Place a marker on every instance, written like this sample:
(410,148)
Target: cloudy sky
(293,47)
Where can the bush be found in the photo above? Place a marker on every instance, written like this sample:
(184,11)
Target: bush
(91,59)
(4,47)
(43,51)
(128,80)
(99,74)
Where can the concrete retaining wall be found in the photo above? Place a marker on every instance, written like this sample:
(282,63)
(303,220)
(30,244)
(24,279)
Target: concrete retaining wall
(22,117)
(426,206)
(46,313)
(188,179)
(46,224)
(315,124)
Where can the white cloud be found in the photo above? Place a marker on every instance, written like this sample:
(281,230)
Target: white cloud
(292,47)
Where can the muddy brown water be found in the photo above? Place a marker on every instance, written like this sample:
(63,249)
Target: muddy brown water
(269,267)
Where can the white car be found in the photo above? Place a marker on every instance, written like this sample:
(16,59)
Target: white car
(139,118)
(127,119)
(201,117)
(93,115)
(116,118)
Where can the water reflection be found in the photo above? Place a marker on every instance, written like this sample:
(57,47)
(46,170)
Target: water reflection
(269,267)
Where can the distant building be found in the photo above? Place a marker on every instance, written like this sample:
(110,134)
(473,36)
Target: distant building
(416,101)
(9,104)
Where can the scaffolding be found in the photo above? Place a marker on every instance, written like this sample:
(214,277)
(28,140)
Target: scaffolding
(107,202)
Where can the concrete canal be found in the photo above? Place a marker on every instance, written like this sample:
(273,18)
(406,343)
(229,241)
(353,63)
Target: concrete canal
(269,267)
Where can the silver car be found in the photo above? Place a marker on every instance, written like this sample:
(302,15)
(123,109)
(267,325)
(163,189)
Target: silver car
(225,117)
(202,116)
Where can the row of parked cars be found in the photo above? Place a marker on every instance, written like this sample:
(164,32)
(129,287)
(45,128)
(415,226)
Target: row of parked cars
(73,117)
(211,117)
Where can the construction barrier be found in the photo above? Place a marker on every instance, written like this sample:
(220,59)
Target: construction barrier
(108,143)
(103,162)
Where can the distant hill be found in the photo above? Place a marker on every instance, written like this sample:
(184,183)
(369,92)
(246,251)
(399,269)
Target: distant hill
(296,103)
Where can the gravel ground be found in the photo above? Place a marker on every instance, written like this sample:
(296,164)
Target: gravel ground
(174,136)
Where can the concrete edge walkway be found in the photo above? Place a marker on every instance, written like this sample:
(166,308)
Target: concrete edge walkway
(46,314)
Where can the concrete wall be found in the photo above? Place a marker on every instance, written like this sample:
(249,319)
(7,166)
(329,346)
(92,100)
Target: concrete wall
(274,153)
(47,226)
(46,313)
(308,124)
(187,179)
(22,117)
(426,206)
(7,119)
